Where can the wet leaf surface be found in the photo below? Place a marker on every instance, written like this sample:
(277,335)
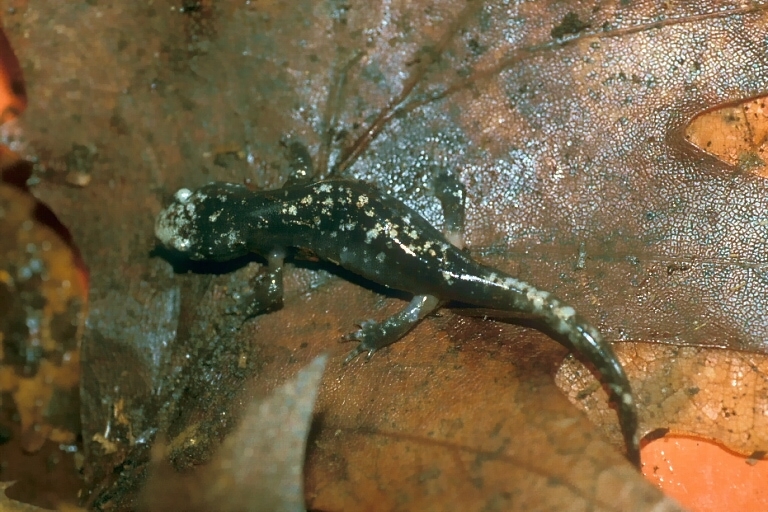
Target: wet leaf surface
(579,179)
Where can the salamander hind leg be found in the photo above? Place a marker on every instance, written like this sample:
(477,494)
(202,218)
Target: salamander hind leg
(375,335)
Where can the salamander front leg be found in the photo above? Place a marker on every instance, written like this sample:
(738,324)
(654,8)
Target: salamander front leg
(260,293)
(299,163)
(375,335)
(256,295)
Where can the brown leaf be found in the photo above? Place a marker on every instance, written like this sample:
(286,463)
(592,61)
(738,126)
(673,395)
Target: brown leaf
(258,467)
(43,296)
(43,290)
(684,386)
(578,176)
(736,134)
(463,411)
(8,505)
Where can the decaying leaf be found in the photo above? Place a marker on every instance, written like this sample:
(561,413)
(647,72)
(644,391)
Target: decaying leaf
(565,122)
(691,393)
(464,410)
(13,94)
(258,467)
(43,290)
(8,505)
(737,134)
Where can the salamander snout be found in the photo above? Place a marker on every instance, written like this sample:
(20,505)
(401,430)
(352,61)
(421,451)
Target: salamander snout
(203,224)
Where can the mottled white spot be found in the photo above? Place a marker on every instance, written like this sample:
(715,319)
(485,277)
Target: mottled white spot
(374,233)
(306,200)
(182,195)
(214,216)
(292,209)
(511,283)
(537,298)
(362,200)
(370,213)
(328,201)
(381,257)
(324,187)
(565,313)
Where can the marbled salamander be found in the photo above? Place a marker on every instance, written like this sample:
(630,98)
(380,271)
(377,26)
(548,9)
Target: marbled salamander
(355,226)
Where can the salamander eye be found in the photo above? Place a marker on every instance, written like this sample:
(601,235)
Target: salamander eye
(205,224)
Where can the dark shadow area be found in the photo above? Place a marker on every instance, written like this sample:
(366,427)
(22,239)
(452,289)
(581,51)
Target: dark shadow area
(297,257)
(184,265)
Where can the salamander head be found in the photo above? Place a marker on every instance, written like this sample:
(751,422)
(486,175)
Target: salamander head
(206,224)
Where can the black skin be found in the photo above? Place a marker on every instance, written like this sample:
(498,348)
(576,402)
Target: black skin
(357,227)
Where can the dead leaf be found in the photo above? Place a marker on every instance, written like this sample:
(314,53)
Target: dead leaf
(738,135)
(258,467)
(8,505)
(43,288)
(13,93)
(43,294)
(463,410)
(683,387)
(578,176)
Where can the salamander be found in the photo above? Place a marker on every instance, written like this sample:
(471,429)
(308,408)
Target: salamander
(374,235)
